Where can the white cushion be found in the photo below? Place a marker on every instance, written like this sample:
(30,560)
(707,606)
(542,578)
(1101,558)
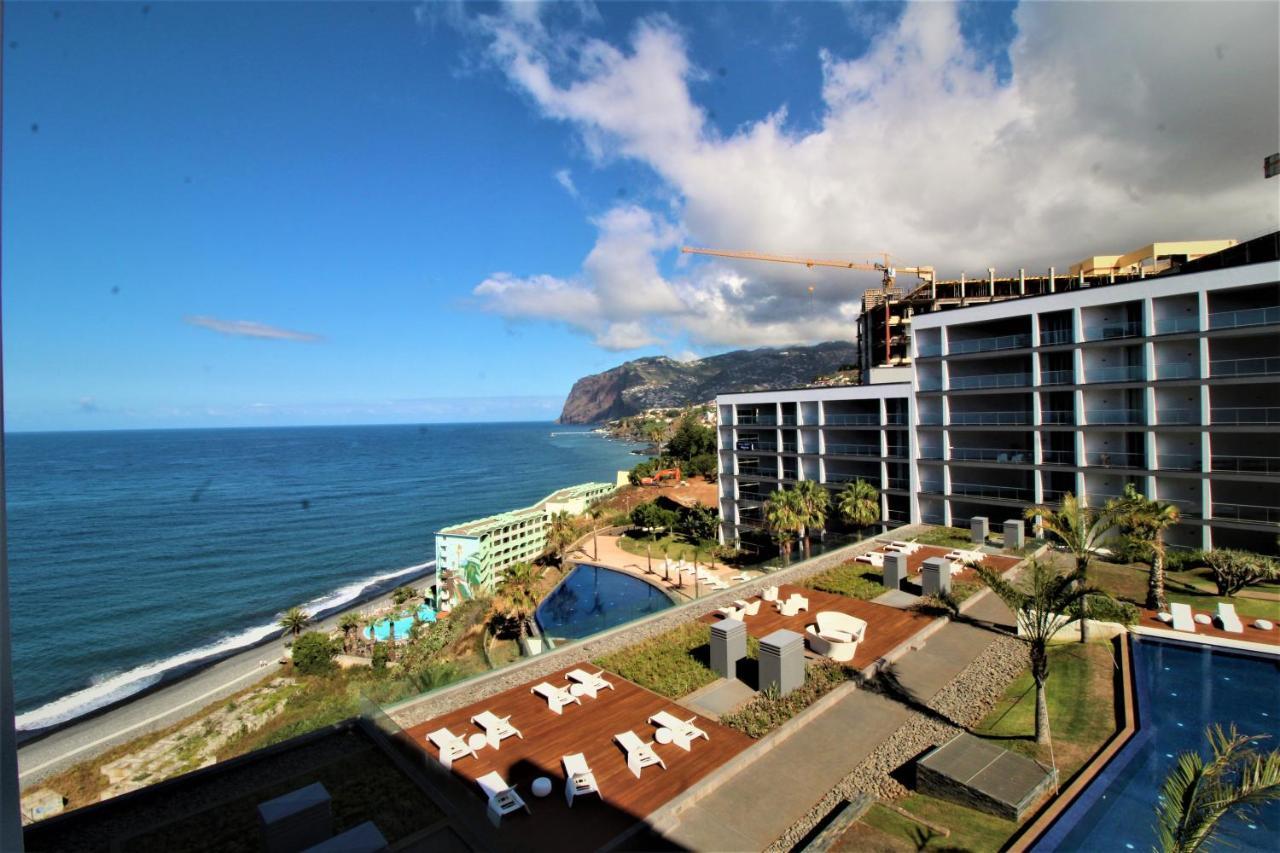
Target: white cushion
(1264,624)
(1203,619)
(1166,618)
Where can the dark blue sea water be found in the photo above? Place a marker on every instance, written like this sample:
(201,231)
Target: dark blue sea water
(592,599)
(134,554)
(1181,689)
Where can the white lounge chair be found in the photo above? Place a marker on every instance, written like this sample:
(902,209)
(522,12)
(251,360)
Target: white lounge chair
(557,697)
(741,576)
(451,746)
(495,728)
(591,684)
(1227,618)
(640,753)
(770,593)
(749,608)
(730,613)
(904,547)
(836,635)
(683,732)
(793,605)
(578,778)
(503,799)
(1182,620)
(875,558)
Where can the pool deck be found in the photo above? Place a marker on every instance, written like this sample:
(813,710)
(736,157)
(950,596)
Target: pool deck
(588,728)
(1251,634)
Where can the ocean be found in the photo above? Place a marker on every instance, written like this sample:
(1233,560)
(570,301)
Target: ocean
(135,555)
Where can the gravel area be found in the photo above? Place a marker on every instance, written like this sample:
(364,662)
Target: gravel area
(966,700)
(447,699)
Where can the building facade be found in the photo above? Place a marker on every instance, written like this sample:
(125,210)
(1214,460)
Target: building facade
(476,553)
(1170,383)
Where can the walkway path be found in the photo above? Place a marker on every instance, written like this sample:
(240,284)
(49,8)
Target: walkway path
(612,556)
(799,771)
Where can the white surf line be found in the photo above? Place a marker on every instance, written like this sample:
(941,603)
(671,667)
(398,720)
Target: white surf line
(64,756)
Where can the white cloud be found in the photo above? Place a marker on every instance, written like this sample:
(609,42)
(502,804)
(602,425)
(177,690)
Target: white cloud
(1120,124)
(565,179)
(249,329)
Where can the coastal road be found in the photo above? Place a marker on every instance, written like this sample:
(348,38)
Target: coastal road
(163,707)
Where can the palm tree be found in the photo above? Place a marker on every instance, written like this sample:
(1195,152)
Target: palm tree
(782,519)
(517,595)
(1044,601)
(1198,794)
(1081,530)
(812,501)
(596,512)
(560,533)
(294,620)
(1147,520)
(859,504)
(348,623)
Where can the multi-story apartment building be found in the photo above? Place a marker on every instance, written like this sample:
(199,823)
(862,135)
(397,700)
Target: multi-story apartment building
(476,553)
(1171,383)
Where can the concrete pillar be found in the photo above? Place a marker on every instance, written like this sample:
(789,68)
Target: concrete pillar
(935,577)
(296,820)
(978,529)
(1022,282)
(895,571)
(1014,533)
(728,646)
(782,661)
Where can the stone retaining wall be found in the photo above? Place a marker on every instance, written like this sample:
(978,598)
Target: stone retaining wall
(446,699)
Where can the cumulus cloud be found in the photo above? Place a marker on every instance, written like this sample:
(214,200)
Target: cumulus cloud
(1108,134)
(565,179)
(249,329)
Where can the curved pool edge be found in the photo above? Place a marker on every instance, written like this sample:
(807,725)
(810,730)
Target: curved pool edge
(674,602)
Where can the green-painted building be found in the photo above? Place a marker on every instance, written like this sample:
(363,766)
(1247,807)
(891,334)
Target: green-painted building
(476,553)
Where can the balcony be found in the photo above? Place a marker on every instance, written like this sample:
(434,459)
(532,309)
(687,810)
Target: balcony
(1115,459)
(1103,417)
(756,420)
(1247,416)
(1111,331)
(928,350)
(984,490)
(930,420)
(1058,416)
(1244,367)
(1177,325)
(900,483)
(1250,317)
(991,380)
(1051,496)
(756,447)
(1057,457)
(854,450)
(1052,337)
(1247,512)
(989,344)
(895,418)
(991,454)
(1119,373)
(788,447)
(1177,416)
(930,385)
(931,454)
(1246,464)
(788,420)
(1177,370)
(898,515)
(1177,462)
(990,418)
(840,477)
(872,419)
(1057,377)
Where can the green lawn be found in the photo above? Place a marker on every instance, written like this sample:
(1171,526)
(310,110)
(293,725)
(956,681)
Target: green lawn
(946,537)
(671,545)
(1192,587)
(671,664)
(970,829)
(854,579)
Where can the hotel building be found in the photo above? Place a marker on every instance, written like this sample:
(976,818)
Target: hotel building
(1171,383)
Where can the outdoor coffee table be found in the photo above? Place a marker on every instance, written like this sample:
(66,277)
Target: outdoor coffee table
(664,736)
(477,742)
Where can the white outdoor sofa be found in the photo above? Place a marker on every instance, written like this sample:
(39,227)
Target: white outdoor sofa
(836,635)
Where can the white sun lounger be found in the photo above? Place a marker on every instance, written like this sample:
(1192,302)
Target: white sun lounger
(793,605)
(503,799)
(1227,618)
(749,608)
(1182,620)
(495,728)
(557,697)
(741,576)
(904,547)
(770,593)
(640,753)
(578,778)
(730,613)
(451,746)
(873,559)
(683,732)
(591,684)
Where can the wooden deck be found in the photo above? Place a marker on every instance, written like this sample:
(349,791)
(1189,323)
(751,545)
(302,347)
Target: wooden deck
(587,728)
(887,627)
(1251,634)
(916,561)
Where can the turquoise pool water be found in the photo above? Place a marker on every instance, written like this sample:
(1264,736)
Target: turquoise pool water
(382,630)
(1182,688)
(593,599)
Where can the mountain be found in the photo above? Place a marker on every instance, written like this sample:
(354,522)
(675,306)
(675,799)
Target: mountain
(658,381)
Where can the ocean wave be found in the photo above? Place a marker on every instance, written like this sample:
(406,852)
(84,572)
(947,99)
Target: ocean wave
(104,689)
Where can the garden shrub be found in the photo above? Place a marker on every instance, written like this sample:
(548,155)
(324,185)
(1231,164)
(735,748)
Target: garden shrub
(1107,609)
(313,653)
(665,664)
(380,653)
(769,710)
(856,580)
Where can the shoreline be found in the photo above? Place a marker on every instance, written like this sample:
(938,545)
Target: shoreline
(176,696)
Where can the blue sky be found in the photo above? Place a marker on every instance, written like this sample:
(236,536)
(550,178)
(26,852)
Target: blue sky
(234,213)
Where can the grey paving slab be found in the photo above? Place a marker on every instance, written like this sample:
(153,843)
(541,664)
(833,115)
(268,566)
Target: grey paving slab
(1010,779)
(990,609)
(720,697)
(897,598)
(963,758)
(927,670)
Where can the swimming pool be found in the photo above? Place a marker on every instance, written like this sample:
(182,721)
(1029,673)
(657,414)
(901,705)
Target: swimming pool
(382,630)
(1182,688)
(593,599)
